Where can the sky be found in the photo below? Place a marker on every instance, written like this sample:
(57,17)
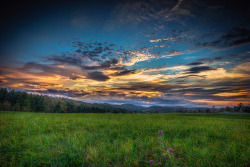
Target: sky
(188,53)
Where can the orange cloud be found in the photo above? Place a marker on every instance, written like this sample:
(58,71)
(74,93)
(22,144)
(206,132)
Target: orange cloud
(212,102)
(220,73)
(230,94)
(244,67)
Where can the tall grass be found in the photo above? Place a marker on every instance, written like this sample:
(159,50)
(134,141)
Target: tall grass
(43,139)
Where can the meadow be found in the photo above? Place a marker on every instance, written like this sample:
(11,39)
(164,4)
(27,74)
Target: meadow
(79,139)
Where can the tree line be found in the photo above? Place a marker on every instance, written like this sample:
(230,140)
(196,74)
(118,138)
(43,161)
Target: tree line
(240,108)
(22,101)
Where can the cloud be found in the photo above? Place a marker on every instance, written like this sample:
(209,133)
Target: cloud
(162,40)
(125,73)
(94,60)
(154,40)
(103,70)
(234,37)
(101,61)
(200,69)
(98,76)
(176,7)
(212,102)
(221,73)
(196,63)
(223,59)
(64,60)
(213,59)
(244,67)
(134,13)
(93,71)
(158,90)
(66,92)
(50,70)
(229,94)
(147,87)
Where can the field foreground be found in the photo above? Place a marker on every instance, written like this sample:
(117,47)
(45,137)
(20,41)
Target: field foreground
(44,139)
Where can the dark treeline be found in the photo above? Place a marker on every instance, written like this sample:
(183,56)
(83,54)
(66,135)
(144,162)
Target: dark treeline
(22,101)
(235,109)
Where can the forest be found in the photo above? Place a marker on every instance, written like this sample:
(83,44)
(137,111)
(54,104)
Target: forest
(23,101)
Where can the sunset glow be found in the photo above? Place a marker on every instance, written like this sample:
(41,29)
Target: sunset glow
(167,53)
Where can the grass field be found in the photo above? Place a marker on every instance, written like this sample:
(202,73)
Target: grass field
(44,139)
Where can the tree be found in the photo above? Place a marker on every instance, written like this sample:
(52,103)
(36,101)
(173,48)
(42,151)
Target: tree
(58,108)
(228,109)
(240,107)
(17,107)
(207,110)
(221,109)
(6,106)
(70,107)
(3,95)
(22,101)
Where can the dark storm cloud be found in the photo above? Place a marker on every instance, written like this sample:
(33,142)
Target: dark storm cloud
(200,69)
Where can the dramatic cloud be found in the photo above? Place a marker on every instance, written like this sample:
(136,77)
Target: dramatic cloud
(143,52)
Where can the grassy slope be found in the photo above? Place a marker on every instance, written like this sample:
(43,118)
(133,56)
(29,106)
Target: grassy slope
(42,139)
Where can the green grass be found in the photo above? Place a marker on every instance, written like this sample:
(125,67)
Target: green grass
(44,139)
